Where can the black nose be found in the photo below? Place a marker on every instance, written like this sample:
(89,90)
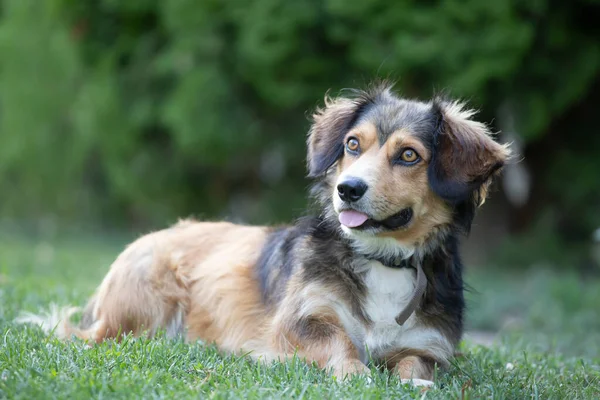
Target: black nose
(352,189)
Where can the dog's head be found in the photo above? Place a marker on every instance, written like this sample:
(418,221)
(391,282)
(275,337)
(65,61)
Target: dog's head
(400,170)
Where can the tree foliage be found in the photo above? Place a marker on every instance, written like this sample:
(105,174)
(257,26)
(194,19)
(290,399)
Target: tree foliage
(144,110)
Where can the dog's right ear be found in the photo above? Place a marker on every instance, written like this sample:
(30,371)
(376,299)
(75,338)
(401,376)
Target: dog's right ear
(329,126)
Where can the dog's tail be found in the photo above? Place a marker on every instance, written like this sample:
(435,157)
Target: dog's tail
(57,321)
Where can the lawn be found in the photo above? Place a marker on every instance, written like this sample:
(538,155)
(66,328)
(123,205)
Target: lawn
(544,324)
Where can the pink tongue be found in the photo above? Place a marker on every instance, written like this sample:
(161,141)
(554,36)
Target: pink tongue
(352,219)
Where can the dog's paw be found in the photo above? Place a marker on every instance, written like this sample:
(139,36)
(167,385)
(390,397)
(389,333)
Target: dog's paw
(424,383)
(350,368)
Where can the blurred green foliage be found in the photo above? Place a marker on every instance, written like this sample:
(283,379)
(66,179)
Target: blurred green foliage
(140,111)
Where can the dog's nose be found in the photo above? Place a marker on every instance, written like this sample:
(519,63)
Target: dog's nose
(352,189)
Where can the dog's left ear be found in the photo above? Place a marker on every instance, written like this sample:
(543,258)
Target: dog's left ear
(464,157)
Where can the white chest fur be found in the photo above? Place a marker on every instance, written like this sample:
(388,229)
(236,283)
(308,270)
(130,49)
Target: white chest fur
(388,292)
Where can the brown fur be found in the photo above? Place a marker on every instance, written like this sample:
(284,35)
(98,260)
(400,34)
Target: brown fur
(202,270)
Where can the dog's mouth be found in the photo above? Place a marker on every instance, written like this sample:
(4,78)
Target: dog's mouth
(360,221)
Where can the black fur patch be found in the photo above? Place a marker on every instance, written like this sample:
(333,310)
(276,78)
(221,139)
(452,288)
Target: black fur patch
(331,261)
(276,262)
(314,245)
(322,161)
(444,303)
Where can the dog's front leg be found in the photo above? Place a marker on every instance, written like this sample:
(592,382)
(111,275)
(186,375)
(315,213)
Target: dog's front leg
(321,339)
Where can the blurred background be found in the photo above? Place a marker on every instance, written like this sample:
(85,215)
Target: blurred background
(118,117)
(121,116)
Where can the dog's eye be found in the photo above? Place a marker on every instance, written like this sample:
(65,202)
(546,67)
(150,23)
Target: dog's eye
(409,156)
(352,145)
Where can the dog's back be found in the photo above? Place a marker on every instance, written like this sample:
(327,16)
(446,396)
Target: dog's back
(195,279)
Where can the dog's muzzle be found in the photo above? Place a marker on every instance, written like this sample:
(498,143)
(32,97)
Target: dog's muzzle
(359,221)
(396,221)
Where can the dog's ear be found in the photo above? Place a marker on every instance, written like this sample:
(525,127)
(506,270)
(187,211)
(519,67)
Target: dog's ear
(325,138)
(329,126)
(464,157)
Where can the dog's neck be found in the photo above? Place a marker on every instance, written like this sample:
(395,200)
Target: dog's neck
(386,250)
(395,263)
(391,253)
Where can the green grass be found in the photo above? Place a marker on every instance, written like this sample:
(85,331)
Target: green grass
(548,326)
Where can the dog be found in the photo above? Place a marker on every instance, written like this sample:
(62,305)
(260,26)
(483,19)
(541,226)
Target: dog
(374,275)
